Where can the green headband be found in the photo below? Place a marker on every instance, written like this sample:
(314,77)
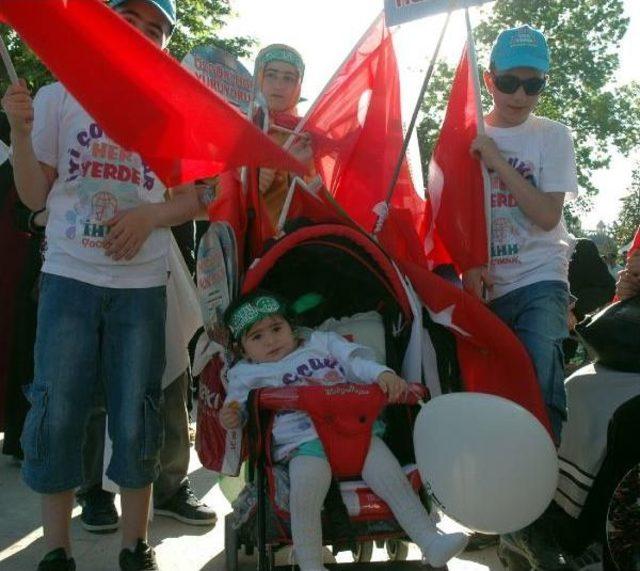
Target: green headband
(280,52)
(252,311)
(262,306)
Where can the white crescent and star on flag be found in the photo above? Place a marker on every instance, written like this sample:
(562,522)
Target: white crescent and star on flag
(445,318)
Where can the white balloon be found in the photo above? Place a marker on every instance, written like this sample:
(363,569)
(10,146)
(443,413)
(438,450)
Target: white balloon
(489,462)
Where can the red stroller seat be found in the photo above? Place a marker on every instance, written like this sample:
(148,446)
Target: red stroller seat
(343,416)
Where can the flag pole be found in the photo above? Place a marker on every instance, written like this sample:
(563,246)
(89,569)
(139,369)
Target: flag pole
(412,123)
(473,62)
(8,64)
(13,77)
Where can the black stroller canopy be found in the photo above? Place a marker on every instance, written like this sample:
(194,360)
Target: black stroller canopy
(348,269)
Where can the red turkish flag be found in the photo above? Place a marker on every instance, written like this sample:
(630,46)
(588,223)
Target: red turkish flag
(357,128)
(138,94)
(456,188)
(358,136)
(491,357)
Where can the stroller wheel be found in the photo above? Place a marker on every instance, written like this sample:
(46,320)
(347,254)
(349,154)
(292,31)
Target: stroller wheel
(397,550)
(363,552)
(230,544)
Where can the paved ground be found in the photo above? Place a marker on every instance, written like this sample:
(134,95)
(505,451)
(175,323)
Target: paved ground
(179,547)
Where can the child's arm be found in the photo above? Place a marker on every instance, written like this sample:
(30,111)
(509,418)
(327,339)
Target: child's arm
(629,279)
(33,179)
(360,366)
(131,228)
(301,149)
(628,285)
(392,385)
(474,280)
(544,209)
(233,412)
(231,415)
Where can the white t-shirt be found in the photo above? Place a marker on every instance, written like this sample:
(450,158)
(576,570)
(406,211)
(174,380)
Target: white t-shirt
(521,252)
(96,180)
(325,358)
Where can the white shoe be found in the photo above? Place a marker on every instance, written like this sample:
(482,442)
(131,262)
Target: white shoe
(444,547)
(292,559)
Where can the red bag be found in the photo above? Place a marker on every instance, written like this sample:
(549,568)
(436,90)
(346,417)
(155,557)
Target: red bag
(219,449)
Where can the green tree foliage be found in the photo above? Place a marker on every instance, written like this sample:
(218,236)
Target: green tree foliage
(628,221)
(584,39)
(199,22)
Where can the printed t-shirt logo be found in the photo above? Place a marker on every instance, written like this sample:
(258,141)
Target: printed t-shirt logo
(106,179)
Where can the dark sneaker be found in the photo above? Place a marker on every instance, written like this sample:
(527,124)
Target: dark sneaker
(479,541)
(141,558)
(99,513)
(57,560)
(528,548)
(187,508)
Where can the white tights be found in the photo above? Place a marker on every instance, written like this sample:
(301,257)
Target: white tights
(310,478)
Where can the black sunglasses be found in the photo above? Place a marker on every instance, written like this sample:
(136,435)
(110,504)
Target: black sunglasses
(510,84)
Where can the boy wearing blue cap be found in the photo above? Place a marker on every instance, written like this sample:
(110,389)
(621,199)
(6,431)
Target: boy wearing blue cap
(102,302)
(531,163)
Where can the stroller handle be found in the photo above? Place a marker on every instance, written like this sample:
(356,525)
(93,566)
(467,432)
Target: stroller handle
(291,398)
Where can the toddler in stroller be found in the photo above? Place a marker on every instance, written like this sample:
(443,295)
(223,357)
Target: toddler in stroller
(273,356)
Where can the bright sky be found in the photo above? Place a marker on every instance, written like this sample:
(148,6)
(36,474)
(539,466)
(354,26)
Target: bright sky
(325,31)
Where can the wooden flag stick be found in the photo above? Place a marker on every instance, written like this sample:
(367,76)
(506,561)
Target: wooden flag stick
(8,64)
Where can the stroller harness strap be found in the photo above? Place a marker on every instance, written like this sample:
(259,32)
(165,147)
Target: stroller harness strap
(343,416)
(344,422)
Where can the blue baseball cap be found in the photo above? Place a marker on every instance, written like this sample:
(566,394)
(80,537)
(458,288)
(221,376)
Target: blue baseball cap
(520,47)
(167,7)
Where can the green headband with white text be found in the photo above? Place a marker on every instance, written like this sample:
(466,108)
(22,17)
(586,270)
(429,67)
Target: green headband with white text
(280,52)
(263,305)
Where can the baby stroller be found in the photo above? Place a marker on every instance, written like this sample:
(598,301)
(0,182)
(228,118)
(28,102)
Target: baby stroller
(378,292)
(366,301)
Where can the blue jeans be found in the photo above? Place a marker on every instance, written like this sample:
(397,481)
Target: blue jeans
(537,314)
(87,335)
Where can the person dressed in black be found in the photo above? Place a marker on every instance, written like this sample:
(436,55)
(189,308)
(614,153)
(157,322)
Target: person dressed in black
(590,283)
(23,230)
